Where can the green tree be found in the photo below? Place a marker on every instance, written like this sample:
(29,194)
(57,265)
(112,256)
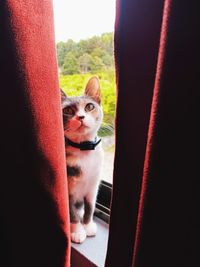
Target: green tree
(85,63)
(108,43)
(70,65)
(106,58)
(98,52)
(94,43)
(61,52)
(90,55)
(71,46)
(96,64)
(82,47)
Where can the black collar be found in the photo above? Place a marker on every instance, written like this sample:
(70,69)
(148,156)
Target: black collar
(86,145)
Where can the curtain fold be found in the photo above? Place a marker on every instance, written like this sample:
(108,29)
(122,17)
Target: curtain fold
(34,220)
(156,201)
(137,34)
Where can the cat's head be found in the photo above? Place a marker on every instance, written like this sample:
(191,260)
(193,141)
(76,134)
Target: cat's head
(82,115)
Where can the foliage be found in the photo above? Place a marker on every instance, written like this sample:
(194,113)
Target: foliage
(79,61)
(91,55)
(70,64)
(85,63)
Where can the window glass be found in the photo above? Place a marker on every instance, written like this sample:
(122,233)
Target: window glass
(84,41)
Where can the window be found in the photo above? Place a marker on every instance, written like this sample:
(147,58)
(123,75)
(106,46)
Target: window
(84,41)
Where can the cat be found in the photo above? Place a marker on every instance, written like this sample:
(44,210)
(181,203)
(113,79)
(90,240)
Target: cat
(82,117)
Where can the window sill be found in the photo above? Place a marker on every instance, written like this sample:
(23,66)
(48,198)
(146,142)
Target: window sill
(92,252)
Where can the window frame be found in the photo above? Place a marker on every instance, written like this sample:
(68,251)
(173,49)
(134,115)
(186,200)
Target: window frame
(102,209)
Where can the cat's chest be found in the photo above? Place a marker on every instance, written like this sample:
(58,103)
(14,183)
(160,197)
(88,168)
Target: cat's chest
(85,163)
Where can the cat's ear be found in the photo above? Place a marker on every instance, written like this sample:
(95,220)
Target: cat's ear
(92,89)
(63,95)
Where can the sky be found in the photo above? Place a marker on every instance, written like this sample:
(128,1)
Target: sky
(82,19)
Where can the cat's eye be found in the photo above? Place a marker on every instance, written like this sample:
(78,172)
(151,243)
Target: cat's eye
(68,111)
(89,107)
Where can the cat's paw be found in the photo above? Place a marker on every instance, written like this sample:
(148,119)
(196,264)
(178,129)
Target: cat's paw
(78,233)
(78,237)
(90,228)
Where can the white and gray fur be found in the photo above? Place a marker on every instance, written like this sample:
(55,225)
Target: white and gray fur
(81,123)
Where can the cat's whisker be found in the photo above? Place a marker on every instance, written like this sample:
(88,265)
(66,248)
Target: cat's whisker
(106,129)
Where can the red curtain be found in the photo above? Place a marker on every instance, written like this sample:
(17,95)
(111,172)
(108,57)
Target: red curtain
(34,221)
(155,203)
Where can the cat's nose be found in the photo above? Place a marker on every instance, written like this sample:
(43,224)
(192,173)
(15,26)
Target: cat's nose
(81,117)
